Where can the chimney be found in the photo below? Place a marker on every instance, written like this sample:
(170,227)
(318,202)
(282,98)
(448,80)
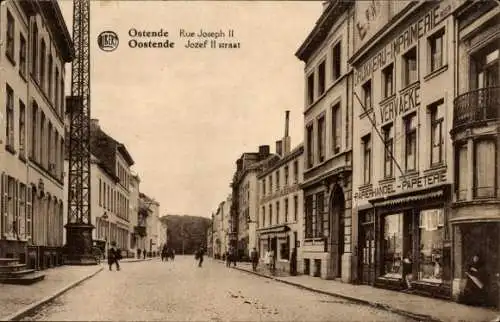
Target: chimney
(286,142)
(263,152)
(279,148)
(239,164)
(94,123)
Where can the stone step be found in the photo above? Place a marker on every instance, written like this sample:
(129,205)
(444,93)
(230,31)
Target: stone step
(12,268)
(23,280)
(8,261)
(17,273)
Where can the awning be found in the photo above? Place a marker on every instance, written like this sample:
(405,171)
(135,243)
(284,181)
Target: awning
(273,230)
(407,199)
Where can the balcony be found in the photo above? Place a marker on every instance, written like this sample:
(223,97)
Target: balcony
(477,106)
(140,230)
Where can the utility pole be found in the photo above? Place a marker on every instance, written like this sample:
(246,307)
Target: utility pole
(79,227)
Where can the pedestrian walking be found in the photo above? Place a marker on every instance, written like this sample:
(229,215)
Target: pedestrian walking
(144,254)
(114,255)
(408,271)
(234,256)
(199,256)
(293,262)
(272,260)
(228,258)
(254,257)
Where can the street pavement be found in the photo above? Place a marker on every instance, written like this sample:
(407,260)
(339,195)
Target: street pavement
(181,291)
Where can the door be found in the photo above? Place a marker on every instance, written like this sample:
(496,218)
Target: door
(367,253)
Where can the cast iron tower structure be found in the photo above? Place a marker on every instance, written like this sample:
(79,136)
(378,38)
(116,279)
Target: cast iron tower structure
(79,226)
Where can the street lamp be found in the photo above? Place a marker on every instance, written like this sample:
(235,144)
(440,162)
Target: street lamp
(105,218)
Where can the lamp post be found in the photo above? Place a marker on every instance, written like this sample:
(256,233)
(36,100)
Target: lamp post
(105,218)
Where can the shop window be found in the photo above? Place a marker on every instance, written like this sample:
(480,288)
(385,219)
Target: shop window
(336,61)
(437,140)
(436,49)
(388,80)
(485,169)
(321,139)
(22,55)
(310,89)
(393,245)
(295,208)
(320,209)
(10,118)
(367,159)
(410,67)
(336,127)
(309,217)
(410,142)
(367,95)
(310,146)
(9,48)
(431,225)
(321,78)
(389,150)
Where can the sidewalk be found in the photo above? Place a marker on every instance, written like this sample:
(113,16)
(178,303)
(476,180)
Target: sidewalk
(133,260)
(414,306)
(16,300)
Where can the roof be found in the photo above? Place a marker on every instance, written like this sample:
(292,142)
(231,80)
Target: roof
(329,16)
(297,151)
(124,152)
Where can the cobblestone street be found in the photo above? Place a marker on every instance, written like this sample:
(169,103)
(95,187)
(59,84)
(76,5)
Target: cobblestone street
(180,291)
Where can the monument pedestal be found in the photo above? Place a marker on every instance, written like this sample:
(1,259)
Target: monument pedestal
(78,248)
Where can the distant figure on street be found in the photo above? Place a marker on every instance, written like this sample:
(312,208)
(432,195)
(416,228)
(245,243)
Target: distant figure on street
(254,257)
(173,253)
(408,271)
(267,259)
(114,255)
(293,262)
(234,256)
(272,261)
(164,253)
(228,258)
(138,253)
(199,256)
(144,254)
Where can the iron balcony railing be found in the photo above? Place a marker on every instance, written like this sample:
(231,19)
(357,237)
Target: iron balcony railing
(476,106)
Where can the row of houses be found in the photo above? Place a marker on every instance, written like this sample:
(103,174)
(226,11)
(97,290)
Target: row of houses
(35,47)
(400,152)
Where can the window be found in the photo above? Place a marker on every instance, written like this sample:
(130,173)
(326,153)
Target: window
(310,89)
(320,209)
(278,213)
(389,150)
(436,46)
(29,212)
(411,142)
(264,186)
(462,170)
(42,64)
(310,145)
(22,129)
(21,212)
(336,127)
(286,175)
(263,216)
(431,224)
(49,148)
(336,56)
(296,171)
(270,183)
(56,93)
(321,78)
(321,139)
(367,159)
(10,118)
(309,215)
(9,46)
(485,168)
(270,214)
(393,245)
(277,180)
(62,93)
(367,95)
(388,80)
(22,55)
(286,210)
(436,134)
(34,52)
(49,73)
(410,67)
(100,192)
(295,208)
(34,130)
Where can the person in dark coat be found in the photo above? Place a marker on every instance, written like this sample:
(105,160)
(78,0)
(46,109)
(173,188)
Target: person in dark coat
(293,262)
(254,257)
(114,255)
(199,256)
(474,291)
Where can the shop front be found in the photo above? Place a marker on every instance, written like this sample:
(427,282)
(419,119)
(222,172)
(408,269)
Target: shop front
(409,227)
(278,240)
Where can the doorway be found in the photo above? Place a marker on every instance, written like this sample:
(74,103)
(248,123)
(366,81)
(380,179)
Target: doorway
(336,215)
(366,247)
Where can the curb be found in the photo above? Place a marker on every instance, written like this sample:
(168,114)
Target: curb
(137,260)
(32,307)
(419,317)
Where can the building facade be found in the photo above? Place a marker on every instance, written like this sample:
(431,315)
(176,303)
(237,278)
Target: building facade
(475,214)
(138,227)
(327,249)
(152,238)
(279,226)
(35,45)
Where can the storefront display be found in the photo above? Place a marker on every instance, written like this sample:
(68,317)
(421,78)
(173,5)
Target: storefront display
(393,245)
(431,237)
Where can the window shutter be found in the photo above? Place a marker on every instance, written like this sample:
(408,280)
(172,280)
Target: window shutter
(3,208)
(29,212)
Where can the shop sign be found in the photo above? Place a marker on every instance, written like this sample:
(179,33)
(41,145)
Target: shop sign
(401,186)
(403,41)
(400,104)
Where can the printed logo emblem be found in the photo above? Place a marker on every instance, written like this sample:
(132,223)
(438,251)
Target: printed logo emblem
(107,40)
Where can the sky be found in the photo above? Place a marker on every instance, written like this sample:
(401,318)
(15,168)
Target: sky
(187,114)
